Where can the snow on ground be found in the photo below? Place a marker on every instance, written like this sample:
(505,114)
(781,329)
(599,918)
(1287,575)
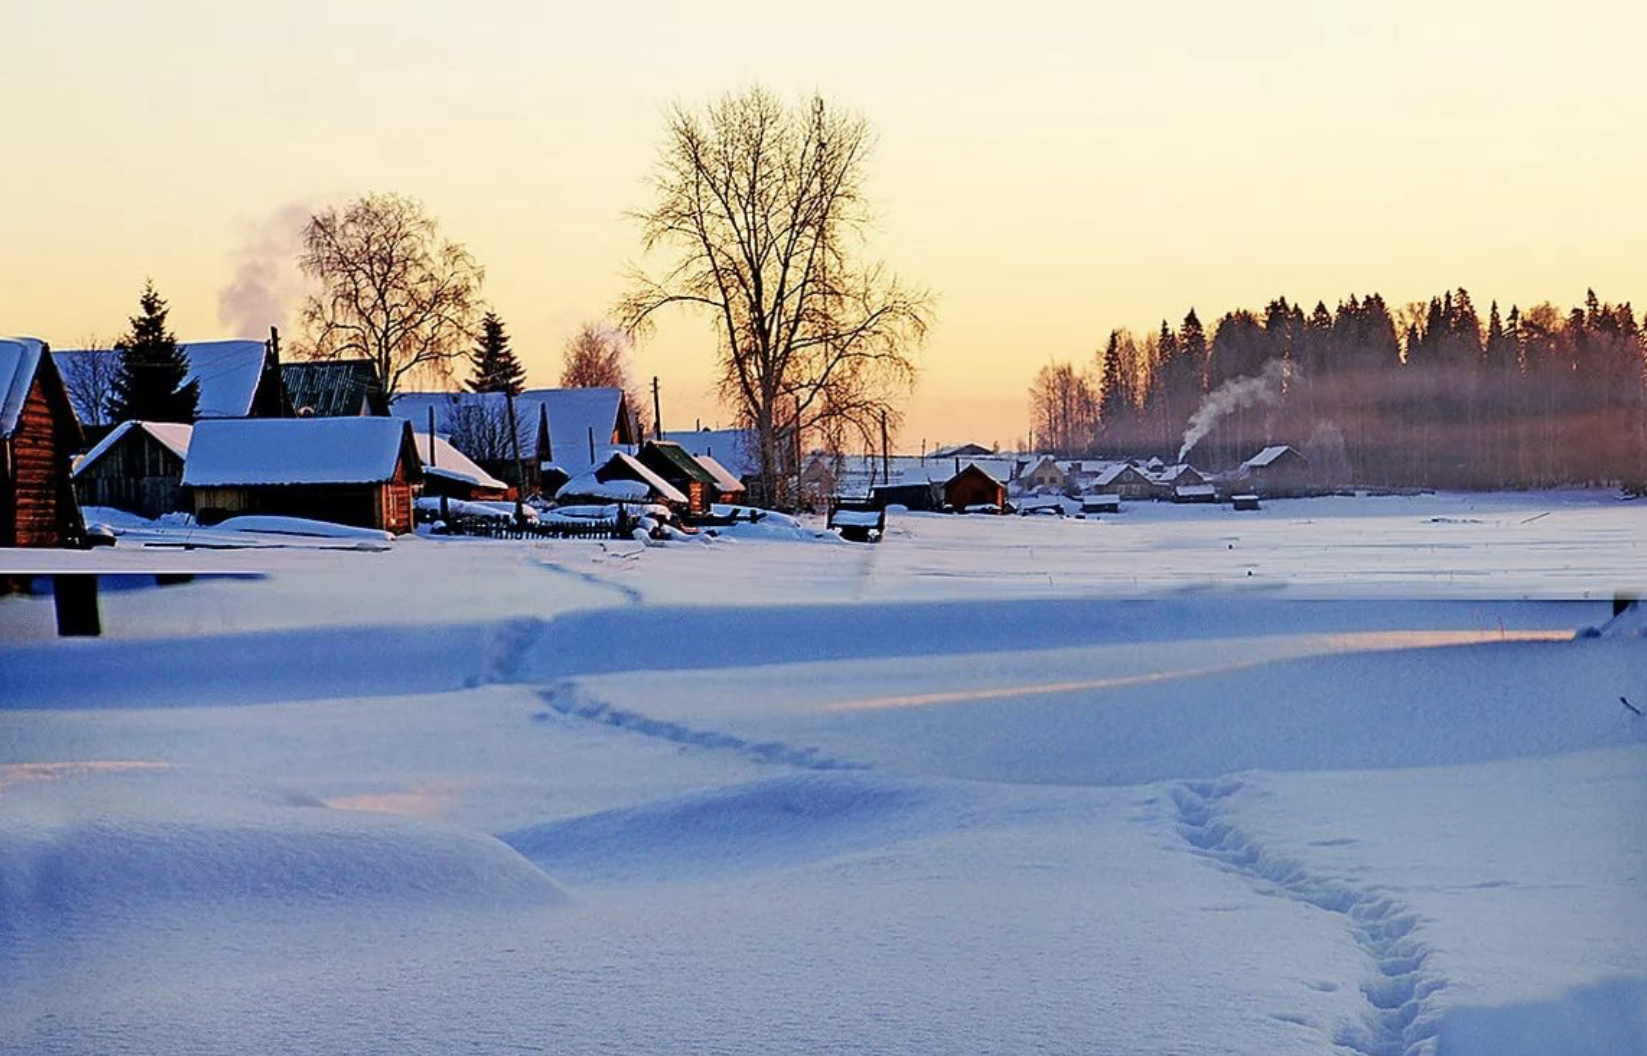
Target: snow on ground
(969,790)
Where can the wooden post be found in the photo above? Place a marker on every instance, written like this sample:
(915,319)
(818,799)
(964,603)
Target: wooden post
(445,502)
(520,469)
(886,459)
(657,414)
(75,597)
(591,447)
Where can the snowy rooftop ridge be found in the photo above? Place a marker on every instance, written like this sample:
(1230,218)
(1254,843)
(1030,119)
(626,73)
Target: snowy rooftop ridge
(444,460)
(19,361)
(574,415)
(1268,455)
(724,480)
(173,435)
(234,451)
(228,373)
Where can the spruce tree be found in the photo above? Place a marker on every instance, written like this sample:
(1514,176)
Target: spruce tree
(496,368)
(148,385)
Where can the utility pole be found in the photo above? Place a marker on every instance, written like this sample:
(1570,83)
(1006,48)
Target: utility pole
(657,411)
(445,501)
(886,458)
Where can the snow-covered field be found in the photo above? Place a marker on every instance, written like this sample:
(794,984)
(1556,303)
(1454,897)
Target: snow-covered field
(1334,777)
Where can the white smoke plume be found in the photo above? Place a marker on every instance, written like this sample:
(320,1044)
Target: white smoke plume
(1263,389)
(266,284)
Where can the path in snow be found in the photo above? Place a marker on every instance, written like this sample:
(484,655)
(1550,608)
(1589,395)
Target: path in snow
(1399,1022)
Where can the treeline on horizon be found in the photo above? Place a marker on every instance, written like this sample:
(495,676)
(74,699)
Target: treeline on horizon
(1430,395)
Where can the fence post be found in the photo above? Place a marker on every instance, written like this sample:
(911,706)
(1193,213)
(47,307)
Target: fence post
(75,597)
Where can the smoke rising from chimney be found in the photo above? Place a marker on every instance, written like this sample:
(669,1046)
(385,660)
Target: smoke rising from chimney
(266,283)
(1263,389)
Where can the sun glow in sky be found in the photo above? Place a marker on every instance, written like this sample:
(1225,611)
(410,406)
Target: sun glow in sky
(1051,170)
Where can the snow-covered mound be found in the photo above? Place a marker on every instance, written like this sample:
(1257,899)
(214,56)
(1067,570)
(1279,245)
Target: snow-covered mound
(85,842)
(759,824)
(271,525)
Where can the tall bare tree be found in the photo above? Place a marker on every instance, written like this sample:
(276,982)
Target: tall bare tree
(1063,409)
(90,379)
(392,290)
(760,206)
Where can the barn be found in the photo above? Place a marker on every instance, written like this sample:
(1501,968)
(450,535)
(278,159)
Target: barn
(675,465)
(138,467)
(359,471)
(38,435)
(972,487)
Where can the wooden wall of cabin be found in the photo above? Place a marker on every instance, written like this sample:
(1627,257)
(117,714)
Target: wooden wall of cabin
(140,475)
(37,502)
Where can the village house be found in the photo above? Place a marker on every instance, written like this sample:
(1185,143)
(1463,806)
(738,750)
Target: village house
(1165,479)
(237,379)
(727,488)
(1278,470)
(973,488)
(137,468)
(683,472)
(1045,475)
(38,436)
(1121,479)
(359,471)
(968,451)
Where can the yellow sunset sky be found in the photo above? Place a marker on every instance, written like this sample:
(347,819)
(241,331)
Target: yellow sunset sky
(1050,170)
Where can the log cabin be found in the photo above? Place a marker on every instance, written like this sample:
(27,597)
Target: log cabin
(971,488)
(675,465)
(359,471)
(138,467)
(38,435)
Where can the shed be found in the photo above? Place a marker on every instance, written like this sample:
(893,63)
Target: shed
(38,434)
(676,465)
(1244,502)
(137,467)
(621,478)
(974,487)
(1101,503)
(1195,493)
(359,471)
(1276,470)
(450,473)
(911,495)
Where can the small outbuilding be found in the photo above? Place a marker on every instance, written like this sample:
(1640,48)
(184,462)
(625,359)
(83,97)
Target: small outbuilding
(727,488)
(38,435)
(137,467)
(622,478)
(684,473)
(973,487)
(1276,471)
(449,473)
(359,471)
(911,495)
(334,388)
(1195,493)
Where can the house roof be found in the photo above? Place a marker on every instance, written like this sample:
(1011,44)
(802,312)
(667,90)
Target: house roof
(736,449)
(234,451)
(334,388)
(19,360)
(961,451)
(1110,474)
(1270,455)
(171,435)
(446,461)
(678,457)
(228,373)
(573,414)
(724,480)
(973,469)
(592,482)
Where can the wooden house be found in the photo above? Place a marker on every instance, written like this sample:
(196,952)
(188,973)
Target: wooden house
(38,435)
(1277,470)
(622,478)
(972,487)
(1166,479)
(137,467)
(359,471)
(1045,475)
(728,488)
(1121,479)
(683,472)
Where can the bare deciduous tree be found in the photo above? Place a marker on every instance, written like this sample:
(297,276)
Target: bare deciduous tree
(392,290)
(90,379)
(761,208)
(1063,409)
(596,357)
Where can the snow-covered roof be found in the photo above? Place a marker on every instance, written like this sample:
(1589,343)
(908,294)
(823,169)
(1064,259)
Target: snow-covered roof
(736,449)
(724,480)
(19,360)
(573,415)
(1111,473)
(1195,489)
(587,486)
(174,436)
(447,461)
(228,372)
(231,451)
(665,490)
(1269,455)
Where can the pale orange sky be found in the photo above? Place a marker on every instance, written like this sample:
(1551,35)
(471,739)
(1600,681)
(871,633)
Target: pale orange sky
(1051,170)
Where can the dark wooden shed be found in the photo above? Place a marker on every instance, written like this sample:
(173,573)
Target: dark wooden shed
(38,436)
(676,465)
(359,471)
(137,467)
(974,487)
